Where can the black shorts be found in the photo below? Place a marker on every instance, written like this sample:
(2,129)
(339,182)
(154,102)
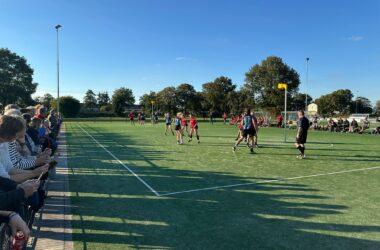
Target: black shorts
(168,123)
(177,127)
(196,127)
(302,138)
(249,132)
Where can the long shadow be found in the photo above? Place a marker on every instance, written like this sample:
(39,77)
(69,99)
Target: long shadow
(110,206)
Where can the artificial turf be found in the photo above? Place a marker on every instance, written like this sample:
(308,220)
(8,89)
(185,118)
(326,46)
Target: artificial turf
(112,209)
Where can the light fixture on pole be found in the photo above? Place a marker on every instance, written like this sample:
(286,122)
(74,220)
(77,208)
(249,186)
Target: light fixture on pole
(307,80)
(57,27)
(284,86)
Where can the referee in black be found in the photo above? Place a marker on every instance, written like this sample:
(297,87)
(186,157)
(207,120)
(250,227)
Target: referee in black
(302,127)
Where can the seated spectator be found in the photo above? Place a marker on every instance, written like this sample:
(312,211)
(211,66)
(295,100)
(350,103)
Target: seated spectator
(376,131)
(16,223)
(364,126)
(340,124)
(53,124)
(10,126)
(346,125)
(314,122)
(13,194)
(40,111)
(33,130)
(354,126)
(332,125)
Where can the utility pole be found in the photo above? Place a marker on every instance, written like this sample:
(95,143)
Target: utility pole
(57,27)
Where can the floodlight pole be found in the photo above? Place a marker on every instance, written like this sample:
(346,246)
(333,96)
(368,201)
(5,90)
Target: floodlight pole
(57,27)
(285,115)
(307,80)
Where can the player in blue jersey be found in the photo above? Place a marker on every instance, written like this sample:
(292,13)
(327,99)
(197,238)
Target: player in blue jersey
(249,130)
(178,129)
(168,123)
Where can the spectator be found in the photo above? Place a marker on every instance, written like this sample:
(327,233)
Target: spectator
(15,222)
(354,126)
(346,125)
(332,125)
(364,126)
(279,121)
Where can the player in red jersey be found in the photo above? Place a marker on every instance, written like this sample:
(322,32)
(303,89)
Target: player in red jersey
(193,128)
(184,125)
(132,117)
(239,126)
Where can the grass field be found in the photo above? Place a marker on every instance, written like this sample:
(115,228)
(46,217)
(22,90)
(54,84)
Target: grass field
(133,187)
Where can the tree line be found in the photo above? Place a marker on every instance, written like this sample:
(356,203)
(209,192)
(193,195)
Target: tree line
(259,92)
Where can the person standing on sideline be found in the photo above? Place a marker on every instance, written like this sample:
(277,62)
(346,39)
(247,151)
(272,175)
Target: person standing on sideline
(211,117)
(132,117)
(225,118)
(302,127)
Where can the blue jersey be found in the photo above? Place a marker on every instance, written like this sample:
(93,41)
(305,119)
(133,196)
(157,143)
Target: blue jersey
(177,121)
(247,122)
(168,119)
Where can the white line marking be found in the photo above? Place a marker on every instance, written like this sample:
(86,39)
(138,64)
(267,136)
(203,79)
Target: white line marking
(269,181)
(121,163)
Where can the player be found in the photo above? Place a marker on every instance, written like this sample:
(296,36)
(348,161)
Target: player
(193,128)
(302,127)
(239,125)
(132,117)
(249,130)
(184,125)
(178,129)
(142,118)
(168,123)
(139,118)
(256,127)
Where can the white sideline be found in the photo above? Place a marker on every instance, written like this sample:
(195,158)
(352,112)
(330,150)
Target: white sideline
(269,181)
(121,163)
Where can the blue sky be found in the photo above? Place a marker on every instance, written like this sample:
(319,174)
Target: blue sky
(148,45)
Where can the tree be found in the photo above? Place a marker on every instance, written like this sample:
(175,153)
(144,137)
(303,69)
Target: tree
(262,79)
(297,102)
(216,92)
(146,101)
(45,100)
(339,100)
(362,105)
(103,99)
(167,99)
(122,98)
(89,100)
(186,97)
(377,108)
(69,106)
(16,78)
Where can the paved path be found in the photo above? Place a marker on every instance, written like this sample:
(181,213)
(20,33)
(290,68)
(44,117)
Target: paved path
(52,229)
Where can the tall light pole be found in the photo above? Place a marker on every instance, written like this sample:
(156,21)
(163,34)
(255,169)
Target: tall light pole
(307,80)
(57,27)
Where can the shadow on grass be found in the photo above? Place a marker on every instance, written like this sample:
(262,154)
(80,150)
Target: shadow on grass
(110,206)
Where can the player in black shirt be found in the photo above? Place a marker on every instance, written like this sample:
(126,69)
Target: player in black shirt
(302,127)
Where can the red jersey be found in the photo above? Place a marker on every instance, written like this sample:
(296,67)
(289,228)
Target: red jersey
(131,115)
(193,122)
(183,121)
